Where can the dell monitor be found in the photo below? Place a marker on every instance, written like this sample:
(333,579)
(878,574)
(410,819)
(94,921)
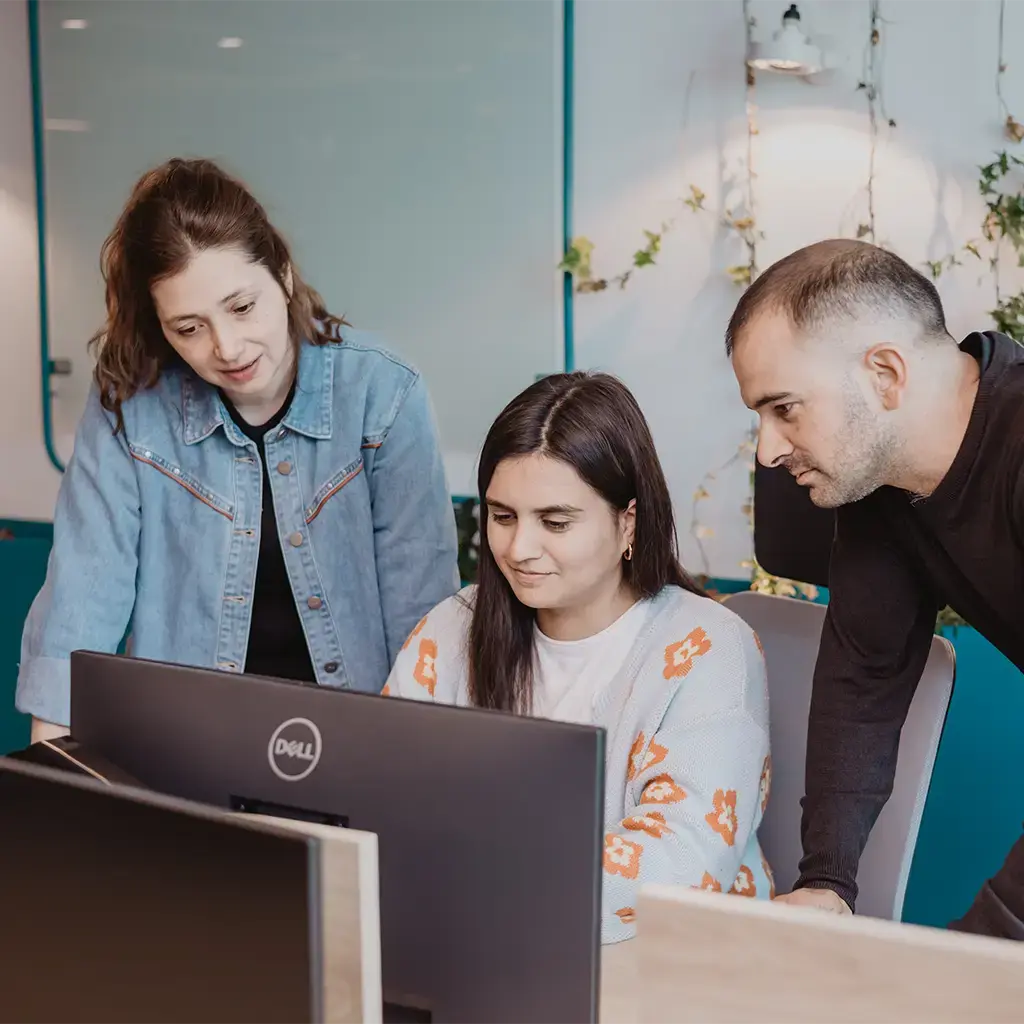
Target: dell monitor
(122,905)
(489,825)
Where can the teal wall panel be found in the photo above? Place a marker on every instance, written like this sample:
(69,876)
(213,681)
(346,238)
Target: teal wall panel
(975,807)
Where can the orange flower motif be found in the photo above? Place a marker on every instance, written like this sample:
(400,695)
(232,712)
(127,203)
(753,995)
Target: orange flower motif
(415,632)
(653,823)
(621,857)
(662,790)
(627,915)
(634,754)
(425,672)
(723,818)
(766,782)
(709,883)
(679,657)
(640,759)
(386,692)
(771,877)
(744,884)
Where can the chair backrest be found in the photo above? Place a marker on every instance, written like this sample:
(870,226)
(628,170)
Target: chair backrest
(789,630)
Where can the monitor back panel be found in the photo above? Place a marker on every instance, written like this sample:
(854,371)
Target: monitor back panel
(120,909)
(489,825)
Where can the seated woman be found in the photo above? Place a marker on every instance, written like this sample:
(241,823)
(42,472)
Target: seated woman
(254,485)
(583,613)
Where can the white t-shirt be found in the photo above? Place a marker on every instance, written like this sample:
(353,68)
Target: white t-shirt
(568,675)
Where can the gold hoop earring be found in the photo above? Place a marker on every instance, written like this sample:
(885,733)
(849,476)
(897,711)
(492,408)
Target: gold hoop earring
(628,556)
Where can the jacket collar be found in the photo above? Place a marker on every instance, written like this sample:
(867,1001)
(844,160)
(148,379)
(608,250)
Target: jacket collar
(310,412)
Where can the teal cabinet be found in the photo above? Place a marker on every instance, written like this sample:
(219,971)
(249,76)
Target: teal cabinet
(22,570)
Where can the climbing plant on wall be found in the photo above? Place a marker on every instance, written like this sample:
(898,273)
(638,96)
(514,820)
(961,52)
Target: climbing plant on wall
(1001,186)
(577,259)
(467,529)
(1001,234)
(741,221)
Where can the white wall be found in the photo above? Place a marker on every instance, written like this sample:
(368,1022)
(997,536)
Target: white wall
(377,135)
(28,482)
(639,143)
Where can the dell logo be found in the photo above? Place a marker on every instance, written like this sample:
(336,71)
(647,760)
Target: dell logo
(294,749)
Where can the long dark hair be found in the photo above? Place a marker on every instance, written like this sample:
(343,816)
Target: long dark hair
(592,423)
(174,211)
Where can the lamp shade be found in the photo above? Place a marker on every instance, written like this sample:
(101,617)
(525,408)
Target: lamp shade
(790,52)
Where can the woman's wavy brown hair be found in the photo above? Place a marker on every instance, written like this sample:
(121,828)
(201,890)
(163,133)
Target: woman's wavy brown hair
(174,212)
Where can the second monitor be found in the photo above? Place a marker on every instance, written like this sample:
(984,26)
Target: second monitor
(489,825)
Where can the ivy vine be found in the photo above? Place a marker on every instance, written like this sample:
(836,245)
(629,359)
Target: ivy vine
(1000,183)
(577,259)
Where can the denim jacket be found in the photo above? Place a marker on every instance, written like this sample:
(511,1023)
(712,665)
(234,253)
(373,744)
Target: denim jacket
(157,529)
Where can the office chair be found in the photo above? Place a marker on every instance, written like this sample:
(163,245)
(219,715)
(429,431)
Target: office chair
(789,630)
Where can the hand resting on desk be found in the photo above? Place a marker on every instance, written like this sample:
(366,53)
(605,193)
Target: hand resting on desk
(820,899)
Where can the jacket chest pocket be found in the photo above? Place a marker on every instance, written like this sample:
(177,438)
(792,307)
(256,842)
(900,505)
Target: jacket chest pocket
(332,487)
(187,481)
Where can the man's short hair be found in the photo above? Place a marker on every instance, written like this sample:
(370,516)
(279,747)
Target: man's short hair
(839,279)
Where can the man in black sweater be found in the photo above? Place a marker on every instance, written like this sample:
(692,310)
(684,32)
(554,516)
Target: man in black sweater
(918,442)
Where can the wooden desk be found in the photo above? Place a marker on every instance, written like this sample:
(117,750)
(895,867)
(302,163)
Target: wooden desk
(619,984)
(709,958)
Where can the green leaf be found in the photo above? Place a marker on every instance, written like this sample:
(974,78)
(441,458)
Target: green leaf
(740,273)
(570,261)
(696,200)
(654,241)
(576,261)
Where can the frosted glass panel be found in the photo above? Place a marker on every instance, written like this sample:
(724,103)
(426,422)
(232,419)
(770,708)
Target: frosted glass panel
(409,150)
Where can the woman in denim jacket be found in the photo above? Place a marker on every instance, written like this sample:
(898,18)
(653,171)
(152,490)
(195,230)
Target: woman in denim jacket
(254,486)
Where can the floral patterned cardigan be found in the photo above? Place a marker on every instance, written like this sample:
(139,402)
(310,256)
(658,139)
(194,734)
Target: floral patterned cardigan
(688,766)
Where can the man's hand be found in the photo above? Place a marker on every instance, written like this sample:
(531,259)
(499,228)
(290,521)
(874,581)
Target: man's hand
(820,899)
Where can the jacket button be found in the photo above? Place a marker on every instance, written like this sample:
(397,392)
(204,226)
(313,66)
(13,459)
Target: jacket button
(284,468)
(295,539)
(331,666)
(313,602)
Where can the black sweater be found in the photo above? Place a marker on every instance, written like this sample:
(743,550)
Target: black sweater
(895,562)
